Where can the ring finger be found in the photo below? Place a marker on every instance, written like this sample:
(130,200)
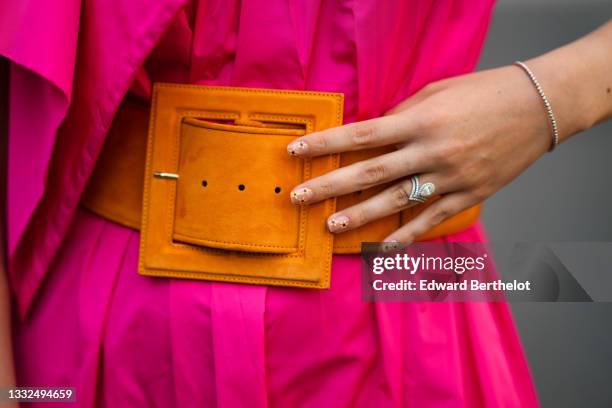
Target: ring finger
(362,175)
(389,201)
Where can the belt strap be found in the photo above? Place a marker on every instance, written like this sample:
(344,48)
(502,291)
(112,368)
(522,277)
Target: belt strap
(115,188)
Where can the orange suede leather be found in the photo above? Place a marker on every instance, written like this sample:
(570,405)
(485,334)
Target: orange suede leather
(251,212)
(228,216)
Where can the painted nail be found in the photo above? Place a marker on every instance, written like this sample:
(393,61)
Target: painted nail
(301,195)
(337,223)
(390,245)
(297,148)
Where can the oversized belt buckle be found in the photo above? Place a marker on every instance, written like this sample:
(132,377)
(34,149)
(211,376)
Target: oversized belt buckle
(216,198)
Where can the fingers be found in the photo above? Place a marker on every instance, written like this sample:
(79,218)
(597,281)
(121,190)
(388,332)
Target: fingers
(361,176)
(433,215)
(398,126)
(390,201)
(383,131)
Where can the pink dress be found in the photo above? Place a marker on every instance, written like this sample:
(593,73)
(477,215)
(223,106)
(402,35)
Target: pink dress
(85,318)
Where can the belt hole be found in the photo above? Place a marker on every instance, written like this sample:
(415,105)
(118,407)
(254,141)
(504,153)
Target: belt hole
(277,190)
(241,187)
(204,183)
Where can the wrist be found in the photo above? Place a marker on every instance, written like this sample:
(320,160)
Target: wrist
(575,79)
(563,93)
(550,115)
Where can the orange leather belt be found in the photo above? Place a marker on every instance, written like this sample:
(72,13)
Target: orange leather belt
(210,189)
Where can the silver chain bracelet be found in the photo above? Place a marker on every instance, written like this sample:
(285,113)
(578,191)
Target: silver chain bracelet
(549,111)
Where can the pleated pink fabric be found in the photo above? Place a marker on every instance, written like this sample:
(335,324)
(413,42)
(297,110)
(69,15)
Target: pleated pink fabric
(87,319)
(128,341)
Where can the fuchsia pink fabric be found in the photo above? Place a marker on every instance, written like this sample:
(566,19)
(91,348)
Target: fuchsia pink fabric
(87,319)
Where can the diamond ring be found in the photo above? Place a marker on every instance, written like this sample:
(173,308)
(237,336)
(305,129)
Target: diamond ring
(421,192)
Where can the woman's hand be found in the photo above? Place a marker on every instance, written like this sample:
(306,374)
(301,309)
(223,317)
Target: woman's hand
(469,136)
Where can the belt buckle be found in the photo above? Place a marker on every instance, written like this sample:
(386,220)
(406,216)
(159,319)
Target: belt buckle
(217,180)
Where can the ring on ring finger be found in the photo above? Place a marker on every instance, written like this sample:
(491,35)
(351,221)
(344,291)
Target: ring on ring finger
(389,201)
(420,193)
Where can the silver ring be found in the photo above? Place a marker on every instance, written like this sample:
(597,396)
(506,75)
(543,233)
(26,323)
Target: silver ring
(421,192)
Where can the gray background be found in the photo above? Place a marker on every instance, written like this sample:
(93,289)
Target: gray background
(566,196)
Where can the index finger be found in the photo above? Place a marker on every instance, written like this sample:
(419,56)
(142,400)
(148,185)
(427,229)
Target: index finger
(370,133)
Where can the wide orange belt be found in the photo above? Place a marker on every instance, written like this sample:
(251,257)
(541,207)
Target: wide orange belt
(209,190)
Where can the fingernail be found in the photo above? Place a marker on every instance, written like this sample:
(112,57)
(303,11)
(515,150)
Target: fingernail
(337,223)
(301,195)
(390,245)
(297,148)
